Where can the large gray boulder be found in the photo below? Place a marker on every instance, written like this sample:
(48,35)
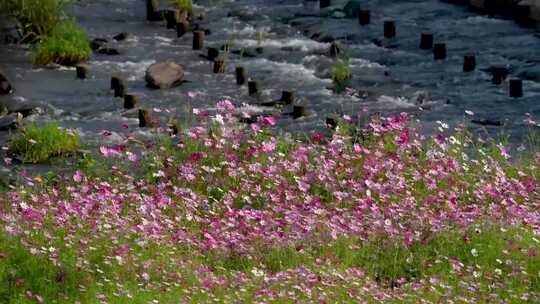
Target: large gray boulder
(10,121)
(5,85)
(164,75)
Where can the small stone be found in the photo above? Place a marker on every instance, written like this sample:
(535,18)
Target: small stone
(120,37)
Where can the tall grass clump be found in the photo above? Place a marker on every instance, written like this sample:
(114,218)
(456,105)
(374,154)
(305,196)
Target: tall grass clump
(67,44)
(38,17)
(37,144)
(341,75)
(184,6)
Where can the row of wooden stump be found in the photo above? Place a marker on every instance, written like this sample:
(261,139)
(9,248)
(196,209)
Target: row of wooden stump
(176,20)
(499,72)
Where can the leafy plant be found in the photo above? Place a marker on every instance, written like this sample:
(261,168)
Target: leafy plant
(183,6)
(341,75)
(38,17)
(38,144)
(67,44)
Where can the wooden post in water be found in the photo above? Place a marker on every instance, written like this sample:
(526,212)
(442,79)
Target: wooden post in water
(426,41)
(182,28)
(82,71)
(198,40)
(287,97)
(130,101)
(516,88)
(152,13)
(145,118)
(219,66)
(324,3)
(469,63)
(118,85)
(390,28)
(298,111)
(439,51)
(500,72)
(213,53)
(241,75)
(172,17)
(254,86)
(364,17)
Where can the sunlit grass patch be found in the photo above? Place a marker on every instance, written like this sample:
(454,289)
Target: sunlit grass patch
(37,144)
(67,44)
(341,75)
(38,17)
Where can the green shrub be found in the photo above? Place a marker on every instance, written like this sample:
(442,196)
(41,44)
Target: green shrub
(39,17)
(38,144)
(183,6)
(67,44)
(341,75)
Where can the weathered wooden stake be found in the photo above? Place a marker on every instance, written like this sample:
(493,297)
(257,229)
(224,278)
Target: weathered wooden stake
(198,40)
(500,72)
(469,63)
(516,88)
(82,71)
(152,13)
(324,3)
(115,80)
(173,17)
(219,65)
(390,28)
(182,28)
(426,41)
(130,101)
(439,51)
(118,85)
(254,86)
(364,17)
(145,118)
(298,111)
(213,53)
(287,97)
(241,75)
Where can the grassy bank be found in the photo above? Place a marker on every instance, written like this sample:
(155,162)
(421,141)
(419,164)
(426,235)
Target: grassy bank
(57,38)
(223,213)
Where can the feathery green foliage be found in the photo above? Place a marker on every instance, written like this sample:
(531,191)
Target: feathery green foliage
(38,144)
(67,44)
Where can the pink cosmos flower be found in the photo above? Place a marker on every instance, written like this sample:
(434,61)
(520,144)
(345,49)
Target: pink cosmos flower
(105,133)
(109,152)
(77,177)
(269,120)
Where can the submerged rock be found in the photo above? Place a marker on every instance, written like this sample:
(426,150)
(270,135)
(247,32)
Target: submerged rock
(5,85)
(10,121)
(487,122)
(244,14)
(98,43)
(121,36)
(164,75)
(108,51)
(18,105)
